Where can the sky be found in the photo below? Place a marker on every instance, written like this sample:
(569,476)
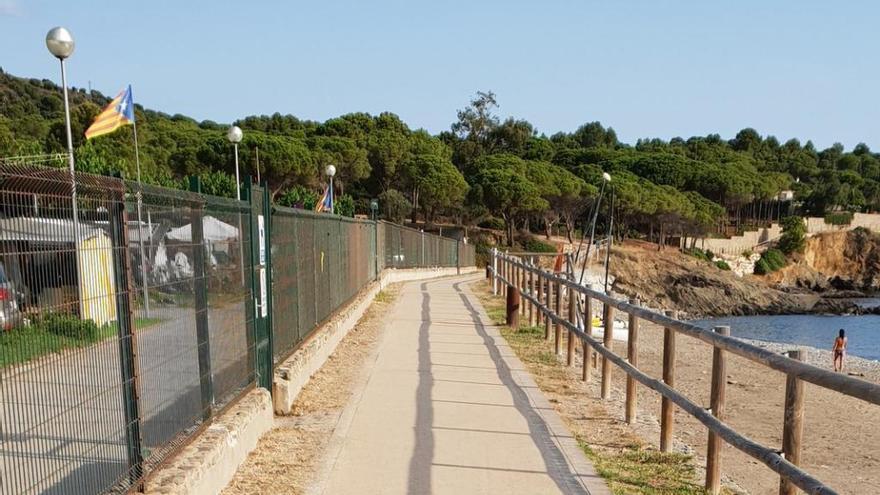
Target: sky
(802,69)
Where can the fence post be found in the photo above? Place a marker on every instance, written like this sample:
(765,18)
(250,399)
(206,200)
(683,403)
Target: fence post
(494,271)
(128,356)
(531,286)
(667,413)
(200,286)
(607,342)
(793,423)
(557,333)
(520,285)
(548,302)
(588,329)
(716,404)
(458,257)
(513,306)
(572,318)
(539,282)
(632,356)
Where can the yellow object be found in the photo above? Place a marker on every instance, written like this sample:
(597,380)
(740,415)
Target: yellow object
(96,280)
(597,322)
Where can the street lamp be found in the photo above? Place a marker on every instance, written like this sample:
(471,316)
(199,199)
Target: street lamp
(330,171)
(234,136)
(60,43)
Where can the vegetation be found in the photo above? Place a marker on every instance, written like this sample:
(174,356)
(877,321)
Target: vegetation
(483,167)
(722,265)
(794,235)
(55,332)
(533,245)
(771,260)
(839,218)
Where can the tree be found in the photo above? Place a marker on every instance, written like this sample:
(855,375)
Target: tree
(395,205)
(509,195)
(793,239)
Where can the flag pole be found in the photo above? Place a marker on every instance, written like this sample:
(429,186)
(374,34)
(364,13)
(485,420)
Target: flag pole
(137,160)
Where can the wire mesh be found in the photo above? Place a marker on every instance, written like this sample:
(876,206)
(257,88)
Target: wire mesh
(125,329)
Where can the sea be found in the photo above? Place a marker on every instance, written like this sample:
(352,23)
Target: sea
(863,331)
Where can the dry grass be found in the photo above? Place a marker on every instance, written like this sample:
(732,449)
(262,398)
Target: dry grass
(619,454)
(287,457)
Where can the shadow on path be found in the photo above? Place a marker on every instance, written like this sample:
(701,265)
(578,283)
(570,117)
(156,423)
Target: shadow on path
(557,466)
(423,454)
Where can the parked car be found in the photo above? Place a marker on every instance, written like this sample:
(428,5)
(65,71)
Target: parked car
(10,298)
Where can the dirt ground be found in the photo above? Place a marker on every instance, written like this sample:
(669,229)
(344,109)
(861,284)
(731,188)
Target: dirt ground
(287,457)
(841,434)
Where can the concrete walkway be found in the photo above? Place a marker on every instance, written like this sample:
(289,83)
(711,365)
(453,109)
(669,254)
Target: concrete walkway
(446,407)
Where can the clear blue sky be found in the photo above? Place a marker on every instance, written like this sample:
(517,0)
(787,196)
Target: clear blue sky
(804,69)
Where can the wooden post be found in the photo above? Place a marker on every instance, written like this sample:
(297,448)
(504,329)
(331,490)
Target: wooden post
(531,290)
(572,317)
(667,413)
(607,341)
(513,307)
(539,281)
(716,404)
(549,304)
(517,281)
(632,356)
(588,329)
(793,423)
(557,334)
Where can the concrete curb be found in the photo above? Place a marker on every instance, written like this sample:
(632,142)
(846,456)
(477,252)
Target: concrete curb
(209,462)
(293,374)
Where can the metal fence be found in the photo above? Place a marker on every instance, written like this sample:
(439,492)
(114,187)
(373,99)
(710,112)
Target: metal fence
(132,319)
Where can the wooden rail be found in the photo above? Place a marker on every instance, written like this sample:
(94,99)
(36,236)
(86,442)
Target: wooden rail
(783,463)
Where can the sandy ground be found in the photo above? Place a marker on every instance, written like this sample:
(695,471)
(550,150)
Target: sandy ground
(286,458)
(841,435)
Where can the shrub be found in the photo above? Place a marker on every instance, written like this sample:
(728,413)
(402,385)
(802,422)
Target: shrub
(722,265)
(493,223)
(839,218)
(344,205)
(794,233)
(747,253)
(535,246)
(699,254)
(761,267)
(771,260)
(69,326)
(775,259)
(298,197)
(710,255)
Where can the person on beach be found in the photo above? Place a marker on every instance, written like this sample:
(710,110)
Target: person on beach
(839,350)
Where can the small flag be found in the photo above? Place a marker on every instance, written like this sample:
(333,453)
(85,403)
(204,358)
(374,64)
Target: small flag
(325,204)
(118,113)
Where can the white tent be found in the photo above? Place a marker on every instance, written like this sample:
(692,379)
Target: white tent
(215,231)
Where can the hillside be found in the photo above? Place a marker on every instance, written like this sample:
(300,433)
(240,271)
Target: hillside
(836,261)
(501,172)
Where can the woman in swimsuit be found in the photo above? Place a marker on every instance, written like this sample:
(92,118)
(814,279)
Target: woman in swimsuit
(839,350)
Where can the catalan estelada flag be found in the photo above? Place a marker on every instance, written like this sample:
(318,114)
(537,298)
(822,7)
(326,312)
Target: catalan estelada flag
(324,204)
(118,113)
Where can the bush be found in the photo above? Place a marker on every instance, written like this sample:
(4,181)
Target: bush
(298,197)
(699,254)
(794,233)
(761,267)
(344,205)
(68,326)
(722,265)
(771,260)
(533,245)
(747,253)
(493,223)
(775,259)
(839,218)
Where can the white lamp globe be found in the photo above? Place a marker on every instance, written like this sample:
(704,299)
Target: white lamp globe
(60,42)
(234,134)
(330,170)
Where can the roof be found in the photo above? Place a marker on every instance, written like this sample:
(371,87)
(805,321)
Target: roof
(38,229)
(214,231)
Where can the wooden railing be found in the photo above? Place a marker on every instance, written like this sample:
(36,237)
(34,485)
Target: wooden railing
(542,294)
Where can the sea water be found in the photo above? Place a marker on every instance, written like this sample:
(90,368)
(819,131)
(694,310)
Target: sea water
(862,332)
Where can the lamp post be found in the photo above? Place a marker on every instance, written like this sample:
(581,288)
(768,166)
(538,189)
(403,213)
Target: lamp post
(234,136)
(606,178)
(330,171)
(60,43)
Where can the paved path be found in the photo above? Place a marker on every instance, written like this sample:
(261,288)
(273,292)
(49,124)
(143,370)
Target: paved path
(447,408)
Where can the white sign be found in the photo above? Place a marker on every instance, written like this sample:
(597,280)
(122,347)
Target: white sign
(261,227)
(264,305)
